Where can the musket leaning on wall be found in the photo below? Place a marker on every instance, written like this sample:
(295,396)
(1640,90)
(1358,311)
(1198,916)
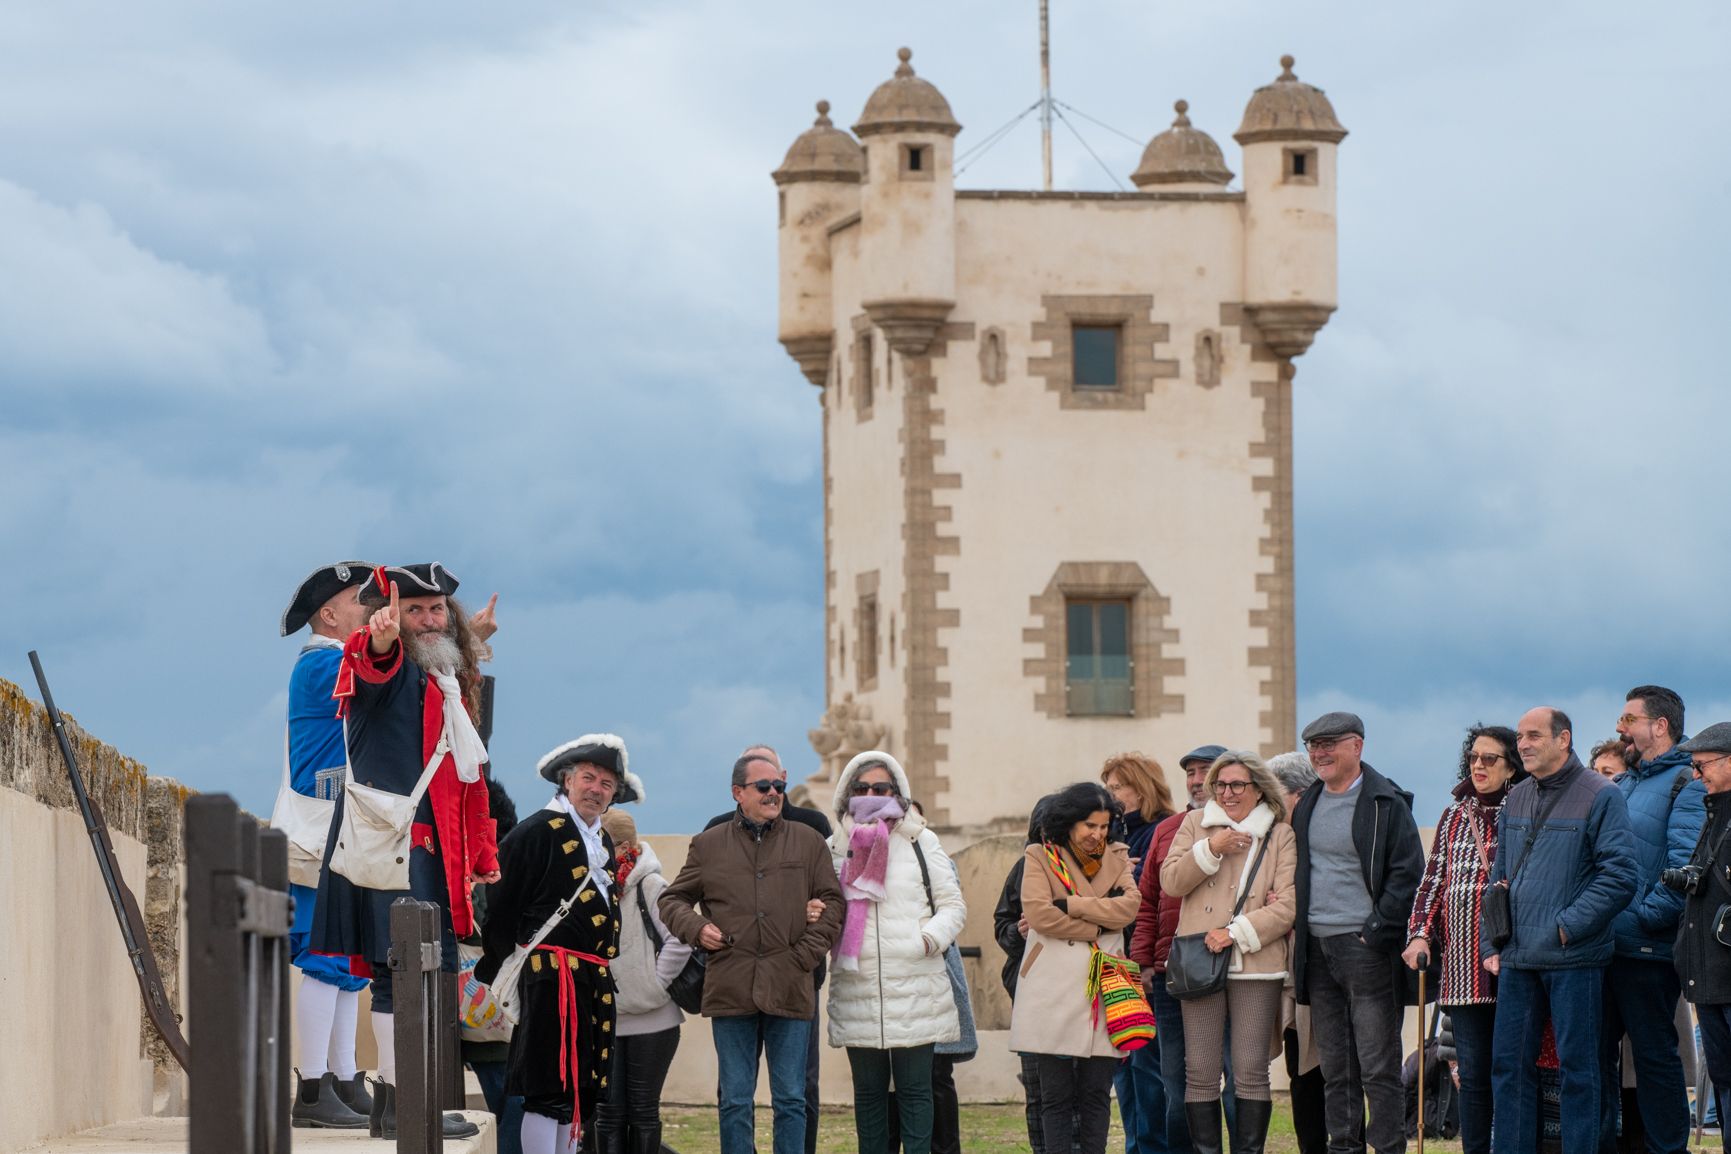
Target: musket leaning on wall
(126,911)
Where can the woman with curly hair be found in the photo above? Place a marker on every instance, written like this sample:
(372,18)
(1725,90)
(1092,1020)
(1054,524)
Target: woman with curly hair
(1077,893)
(1445,915)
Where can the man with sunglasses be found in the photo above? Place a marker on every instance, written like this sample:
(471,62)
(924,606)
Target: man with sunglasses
(755,876)
(1641,986)
(1703,952)
(1359,864)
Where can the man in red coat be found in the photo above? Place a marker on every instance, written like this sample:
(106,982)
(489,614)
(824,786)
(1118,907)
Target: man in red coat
(407,682)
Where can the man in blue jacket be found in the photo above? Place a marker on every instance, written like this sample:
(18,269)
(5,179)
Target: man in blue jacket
(1666,809)
(1565,853)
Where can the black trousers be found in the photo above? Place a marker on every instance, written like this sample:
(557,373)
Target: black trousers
(1079,1087)
(1309,1102)
(639,1071)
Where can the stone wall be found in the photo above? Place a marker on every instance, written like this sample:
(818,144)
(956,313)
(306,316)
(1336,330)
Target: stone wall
(81,1052)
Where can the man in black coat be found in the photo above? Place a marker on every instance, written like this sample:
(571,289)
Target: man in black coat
(1703,953)
(816,820)
(1359,864)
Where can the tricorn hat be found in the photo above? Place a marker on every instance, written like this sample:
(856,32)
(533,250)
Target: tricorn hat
(320,586)
(606,750)
(428,579)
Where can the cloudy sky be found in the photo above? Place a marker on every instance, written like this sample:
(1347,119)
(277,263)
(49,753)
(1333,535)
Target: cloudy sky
(496,286)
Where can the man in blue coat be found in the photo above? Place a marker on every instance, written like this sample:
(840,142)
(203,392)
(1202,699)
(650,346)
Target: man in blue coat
(1666,810)
(1565,854)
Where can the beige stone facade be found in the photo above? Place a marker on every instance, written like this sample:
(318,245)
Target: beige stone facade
(1048,413)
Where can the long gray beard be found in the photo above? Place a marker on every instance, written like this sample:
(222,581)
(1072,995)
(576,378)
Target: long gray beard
(434,651)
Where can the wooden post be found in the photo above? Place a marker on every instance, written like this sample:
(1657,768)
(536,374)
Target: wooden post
(414,962)
(276,1078)
(214,976)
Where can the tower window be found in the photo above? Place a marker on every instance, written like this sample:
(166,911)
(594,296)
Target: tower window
(1097,658)
(1095,355)
(864,369)
(1300,167)
(866,649)
(916,162)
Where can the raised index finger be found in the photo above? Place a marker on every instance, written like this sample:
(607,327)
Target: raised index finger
(393,598)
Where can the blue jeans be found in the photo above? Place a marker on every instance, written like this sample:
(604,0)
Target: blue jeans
(1475,1036)
(1572,1001)
(1641,1000)
(1142,1101)
(784,1045)
(1169,1036)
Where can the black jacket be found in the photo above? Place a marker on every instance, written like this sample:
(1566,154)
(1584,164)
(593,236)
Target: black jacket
(1702,961)
(1006,925)
(1390,855)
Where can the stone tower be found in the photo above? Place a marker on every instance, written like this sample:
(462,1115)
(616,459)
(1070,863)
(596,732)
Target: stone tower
(1057,444)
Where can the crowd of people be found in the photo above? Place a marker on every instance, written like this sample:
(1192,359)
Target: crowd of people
(1165,952)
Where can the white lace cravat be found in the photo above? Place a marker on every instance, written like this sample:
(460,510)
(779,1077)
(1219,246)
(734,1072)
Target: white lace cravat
(467,748)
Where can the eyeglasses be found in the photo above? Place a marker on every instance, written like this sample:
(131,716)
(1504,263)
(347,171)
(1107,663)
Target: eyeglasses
(876,789)
(1629,719)
(1485,759)
(1323,744)
(1702,765)
(1233,788)
(766,786)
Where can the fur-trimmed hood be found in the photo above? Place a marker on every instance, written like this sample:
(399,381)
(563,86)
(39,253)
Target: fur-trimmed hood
(1256,823)
(871,756)
(604,749)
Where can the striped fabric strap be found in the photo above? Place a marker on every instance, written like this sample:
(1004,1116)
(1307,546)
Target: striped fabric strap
(1058,867)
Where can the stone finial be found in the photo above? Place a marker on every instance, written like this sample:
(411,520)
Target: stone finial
(1182,108)
(823,120)
(1286,72)
(904,68)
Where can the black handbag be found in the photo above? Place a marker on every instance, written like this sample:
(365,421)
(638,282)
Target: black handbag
(1498,915)
(686,988)
(1192,969)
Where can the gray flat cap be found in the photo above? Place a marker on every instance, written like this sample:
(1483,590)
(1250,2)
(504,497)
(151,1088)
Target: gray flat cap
(1713,739)
(1205,753)
(1333,725)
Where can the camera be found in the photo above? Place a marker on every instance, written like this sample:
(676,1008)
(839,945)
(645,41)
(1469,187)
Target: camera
(1689,880)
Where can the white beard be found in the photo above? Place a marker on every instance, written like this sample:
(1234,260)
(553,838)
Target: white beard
(434,651)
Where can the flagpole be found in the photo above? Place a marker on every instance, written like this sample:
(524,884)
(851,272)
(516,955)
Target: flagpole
(1045,96)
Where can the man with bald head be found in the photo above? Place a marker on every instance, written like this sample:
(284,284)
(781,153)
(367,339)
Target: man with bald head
(1567,860)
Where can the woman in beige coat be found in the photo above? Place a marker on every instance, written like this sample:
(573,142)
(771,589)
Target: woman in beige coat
(1207,867)
(1077,891)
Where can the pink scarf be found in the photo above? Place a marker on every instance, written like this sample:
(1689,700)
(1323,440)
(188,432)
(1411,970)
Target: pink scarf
(864,872)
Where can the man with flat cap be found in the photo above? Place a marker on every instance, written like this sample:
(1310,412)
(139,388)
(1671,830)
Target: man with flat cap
(408,690)
(332,1093)
(558,900)
(1359,864)
(1703,953)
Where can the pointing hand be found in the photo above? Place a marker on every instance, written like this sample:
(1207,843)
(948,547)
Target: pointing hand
(384,625)
(484,623)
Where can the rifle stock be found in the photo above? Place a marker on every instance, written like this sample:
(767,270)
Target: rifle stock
(126,911)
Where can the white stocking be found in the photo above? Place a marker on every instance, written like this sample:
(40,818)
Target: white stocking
(315,1009)
(573,1142)
(541,1134)
(385,1035)
(342,1051)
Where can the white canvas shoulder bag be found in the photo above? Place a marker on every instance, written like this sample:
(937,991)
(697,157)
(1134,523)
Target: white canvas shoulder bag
(373,839)
(306,821)
(507,992)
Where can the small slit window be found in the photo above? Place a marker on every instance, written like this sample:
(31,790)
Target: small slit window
(916,162)
(1095,351)
(1300,167)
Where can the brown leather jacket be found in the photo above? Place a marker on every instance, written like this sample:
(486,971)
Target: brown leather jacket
(754,884)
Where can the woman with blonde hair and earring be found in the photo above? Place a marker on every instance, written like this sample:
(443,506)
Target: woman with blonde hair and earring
(1232,864)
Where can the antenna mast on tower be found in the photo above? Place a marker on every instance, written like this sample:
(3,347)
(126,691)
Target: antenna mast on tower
(1045,96)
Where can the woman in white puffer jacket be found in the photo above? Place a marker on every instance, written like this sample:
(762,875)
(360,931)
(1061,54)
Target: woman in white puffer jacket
(889,990)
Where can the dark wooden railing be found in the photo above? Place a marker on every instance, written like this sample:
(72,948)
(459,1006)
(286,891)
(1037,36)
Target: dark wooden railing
(238,914)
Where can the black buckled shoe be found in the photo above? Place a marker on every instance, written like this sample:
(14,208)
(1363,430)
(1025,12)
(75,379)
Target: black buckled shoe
(318,1105)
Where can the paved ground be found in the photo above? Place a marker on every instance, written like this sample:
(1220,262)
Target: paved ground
(168,1136)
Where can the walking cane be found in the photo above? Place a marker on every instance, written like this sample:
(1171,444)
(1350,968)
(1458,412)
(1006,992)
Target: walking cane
(1421,1057)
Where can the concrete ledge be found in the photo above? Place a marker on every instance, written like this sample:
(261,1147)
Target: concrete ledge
(169,1136)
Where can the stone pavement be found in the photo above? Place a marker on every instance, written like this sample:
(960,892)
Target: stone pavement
(168,1136)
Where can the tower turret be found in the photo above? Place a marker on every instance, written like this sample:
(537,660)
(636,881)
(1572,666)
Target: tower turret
(1182,159)
(1290,137)
(908,209)
(818,184)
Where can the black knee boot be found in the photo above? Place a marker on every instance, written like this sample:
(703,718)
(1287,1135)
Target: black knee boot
(644,1140)
(1251,1130)
(1204,1119)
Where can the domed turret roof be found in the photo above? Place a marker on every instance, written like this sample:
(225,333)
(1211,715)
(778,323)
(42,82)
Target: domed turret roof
(905,103)
(1289,109)
(822,152)
(1181,155)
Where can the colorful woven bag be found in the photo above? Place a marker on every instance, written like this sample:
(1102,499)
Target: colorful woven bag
(1115,984)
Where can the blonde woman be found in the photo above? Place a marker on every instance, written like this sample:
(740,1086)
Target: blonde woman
(1213,860)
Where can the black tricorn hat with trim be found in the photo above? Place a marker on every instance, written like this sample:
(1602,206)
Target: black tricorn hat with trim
(606,750)
(320,586)
(428,579)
